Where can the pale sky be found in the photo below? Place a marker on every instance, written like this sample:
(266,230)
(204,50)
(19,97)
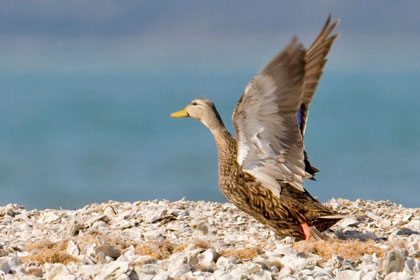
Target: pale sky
(104,35)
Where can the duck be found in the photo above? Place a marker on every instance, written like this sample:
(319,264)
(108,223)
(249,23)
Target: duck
(262,171)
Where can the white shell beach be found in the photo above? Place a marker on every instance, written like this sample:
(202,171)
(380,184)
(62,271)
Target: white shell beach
(203,240)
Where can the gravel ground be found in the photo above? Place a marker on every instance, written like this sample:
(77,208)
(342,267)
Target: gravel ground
(203,240)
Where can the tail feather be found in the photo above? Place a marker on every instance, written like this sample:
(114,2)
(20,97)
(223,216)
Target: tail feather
(317,235)
(325,222)
(333,217)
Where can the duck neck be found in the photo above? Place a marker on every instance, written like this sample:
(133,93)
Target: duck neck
(226,146)
(227,165)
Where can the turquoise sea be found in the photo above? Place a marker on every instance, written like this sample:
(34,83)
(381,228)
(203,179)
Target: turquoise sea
(67,140)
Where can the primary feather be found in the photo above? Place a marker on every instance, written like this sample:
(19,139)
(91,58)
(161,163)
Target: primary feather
(270,118)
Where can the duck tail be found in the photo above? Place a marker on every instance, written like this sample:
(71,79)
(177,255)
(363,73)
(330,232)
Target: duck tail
(317,235)
(333,217)
(325,222)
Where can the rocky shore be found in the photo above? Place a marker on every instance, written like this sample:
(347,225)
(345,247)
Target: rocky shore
(203,240)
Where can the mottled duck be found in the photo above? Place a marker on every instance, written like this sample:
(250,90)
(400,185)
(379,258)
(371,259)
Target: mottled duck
(262,172)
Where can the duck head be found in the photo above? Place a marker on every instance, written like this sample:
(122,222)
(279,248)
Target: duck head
(203,110)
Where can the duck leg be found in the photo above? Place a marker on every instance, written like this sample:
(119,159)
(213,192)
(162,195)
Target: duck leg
(304,225)
(306,231)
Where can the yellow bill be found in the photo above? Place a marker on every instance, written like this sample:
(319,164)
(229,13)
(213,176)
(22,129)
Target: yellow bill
(180,114)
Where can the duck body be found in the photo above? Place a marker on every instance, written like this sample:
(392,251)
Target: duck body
(262,171)
(285,214)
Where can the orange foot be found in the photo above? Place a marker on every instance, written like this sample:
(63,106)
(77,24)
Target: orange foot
(305,228)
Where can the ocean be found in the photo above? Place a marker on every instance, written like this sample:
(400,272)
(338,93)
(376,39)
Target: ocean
(70,139)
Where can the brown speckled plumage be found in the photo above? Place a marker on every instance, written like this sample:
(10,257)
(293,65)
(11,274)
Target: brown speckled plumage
(262,172)
(285,215)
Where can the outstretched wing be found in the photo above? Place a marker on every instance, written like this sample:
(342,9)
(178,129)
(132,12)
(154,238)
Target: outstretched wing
(270,145)
(315,60)
(270,118)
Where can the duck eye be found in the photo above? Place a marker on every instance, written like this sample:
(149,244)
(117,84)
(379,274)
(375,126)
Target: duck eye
(194,103)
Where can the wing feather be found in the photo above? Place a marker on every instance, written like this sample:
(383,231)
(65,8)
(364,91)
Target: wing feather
(315,60)
(270,118)
(269,140)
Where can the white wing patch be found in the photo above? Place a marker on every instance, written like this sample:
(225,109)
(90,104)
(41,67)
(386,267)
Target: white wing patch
(270,146)
(258,144)
(267,85)
(243,150)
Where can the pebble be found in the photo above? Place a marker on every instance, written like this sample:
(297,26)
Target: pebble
(11,265)
(371,275)
(394,262)
(349,275)
(204,228)
(58,271)
(107,250)
(35,271)
(349,222)
(208,257)
(73,249)
(113,270)
(398,276)
(199,240)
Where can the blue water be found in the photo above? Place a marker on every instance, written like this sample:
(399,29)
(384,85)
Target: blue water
(67,140)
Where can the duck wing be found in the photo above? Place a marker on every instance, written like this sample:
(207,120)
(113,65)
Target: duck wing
(269,142)
(270,118)
(315,59)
